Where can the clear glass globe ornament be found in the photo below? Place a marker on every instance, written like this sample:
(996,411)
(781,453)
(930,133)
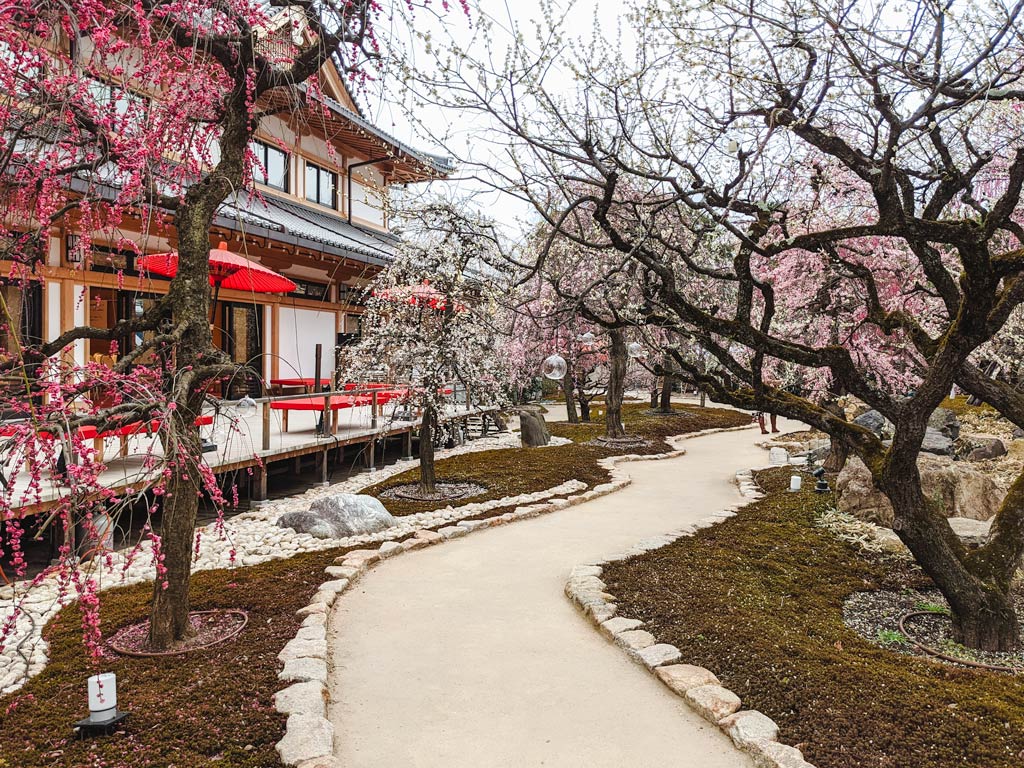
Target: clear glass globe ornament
(586,338)
(246,407)
(553,367)
(635,349)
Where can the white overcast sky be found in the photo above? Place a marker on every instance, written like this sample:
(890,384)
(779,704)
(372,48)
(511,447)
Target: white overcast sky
(460,129)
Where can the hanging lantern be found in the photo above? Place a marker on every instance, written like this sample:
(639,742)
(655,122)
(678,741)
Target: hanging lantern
(635,349)
(554,367)
(246,407)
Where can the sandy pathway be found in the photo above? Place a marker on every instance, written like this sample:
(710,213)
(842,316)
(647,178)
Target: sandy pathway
(468,655)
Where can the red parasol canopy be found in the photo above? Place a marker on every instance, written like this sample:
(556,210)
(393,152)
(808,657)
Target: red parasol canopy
(422,295)
(227,270)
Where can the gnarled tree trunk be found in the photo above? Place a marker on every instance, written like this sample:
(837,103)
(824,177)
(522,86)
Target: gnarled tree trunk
(665,405)
(617,360)
(567,392)
(976,585)
(428,478)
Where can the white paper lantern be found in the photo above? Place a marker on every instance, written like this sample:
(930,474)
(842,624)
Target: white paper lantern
(635,349)
(554,367)
(102,696)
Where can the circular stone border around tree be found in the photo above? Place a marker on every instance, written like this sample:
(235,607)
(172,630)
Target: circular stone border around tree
(443,491)
(208,628)
(629,441)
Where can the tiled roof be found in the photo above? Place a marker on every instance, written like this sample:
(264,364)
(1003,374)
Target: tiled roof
(289,222)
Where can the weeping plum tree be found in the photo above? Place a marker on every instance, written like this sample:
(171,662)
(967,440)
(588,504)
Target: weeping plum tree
(832,187)
(432,321)
(111,111)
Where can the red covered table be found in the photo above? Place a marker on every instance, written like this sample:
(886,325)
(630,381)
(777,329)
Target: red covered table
(308,384)
(316,403)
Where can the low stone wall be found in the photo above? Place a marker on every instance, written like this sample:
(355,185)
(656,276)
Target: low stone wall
(751,731)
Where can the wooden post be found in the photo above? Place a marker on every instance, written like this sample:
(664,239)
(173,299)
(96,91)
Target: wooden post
(324,467)
(324,428)
(370,449)
(266,425)
(258,488)
(408,445)
(373,409)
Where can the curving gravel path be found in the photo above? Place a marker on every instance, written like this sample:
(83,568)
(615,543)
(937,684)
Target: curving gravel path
(469,654)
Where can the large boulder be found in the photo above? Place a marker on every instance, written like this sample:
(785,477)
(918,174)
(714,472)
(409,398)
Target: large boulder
(946,422)
(338,516)
(533,430)
(937,442)
(960,490)
(876,422)
(984,447)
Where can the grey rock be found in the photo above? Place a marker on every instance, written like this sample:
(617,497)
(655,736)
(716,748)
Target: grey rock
(306,737)
(959,489)
(973,533)
(634,639)
(306,698)
(771,754)
(778,456)
(304,670)
(937,442)
(682,677)
(658,654)
(340,515)
(389,548)
(945,421)
(749,726)
(874,421)
(713,702)
(619,624)
(533,430)
(1018,433)
(986,447)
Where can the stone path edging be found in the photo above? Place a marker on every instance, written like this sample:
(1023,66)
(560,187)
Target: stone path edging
(751,731)
(248,538)
(308,741)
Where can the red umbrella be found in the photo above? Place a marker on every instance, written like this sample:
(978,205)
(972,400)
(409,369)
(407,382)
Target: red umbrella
(227,270)
(422,295)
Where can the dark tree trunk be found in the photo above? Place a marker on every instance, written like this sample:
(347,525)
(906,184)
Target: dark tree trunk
(665,406)
(838,451)
(654,395)
(428,479)
(617,360)
(703,398)
(584,410)
(168,621)
(567,391)
(190,298)
(979,596)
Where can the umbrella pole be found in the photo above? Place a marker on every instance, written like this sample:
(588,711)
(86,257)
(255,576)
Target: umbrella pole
(213,307)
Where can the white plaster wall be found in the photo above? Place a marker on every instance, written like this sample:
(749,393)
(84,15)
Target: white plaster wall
(300,331)
(368,195)
(53,328)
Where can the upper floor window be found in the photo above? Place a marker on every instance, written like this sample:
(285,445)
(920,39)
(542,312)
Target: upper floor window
(271,166)
(321,186)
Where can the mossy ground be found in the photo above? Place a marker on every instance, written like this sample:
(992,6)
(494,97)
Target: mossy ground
(214,707)
(512,472)
(758,600)
(207,708)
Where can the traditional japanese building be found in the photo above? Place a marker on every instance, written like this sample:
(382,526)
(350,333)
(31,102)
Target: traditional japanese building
(319,214)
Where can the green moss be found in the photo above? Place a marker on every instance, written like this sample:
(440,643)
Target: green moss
(199,709)
(959,406)
(758,600)
(510,472)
